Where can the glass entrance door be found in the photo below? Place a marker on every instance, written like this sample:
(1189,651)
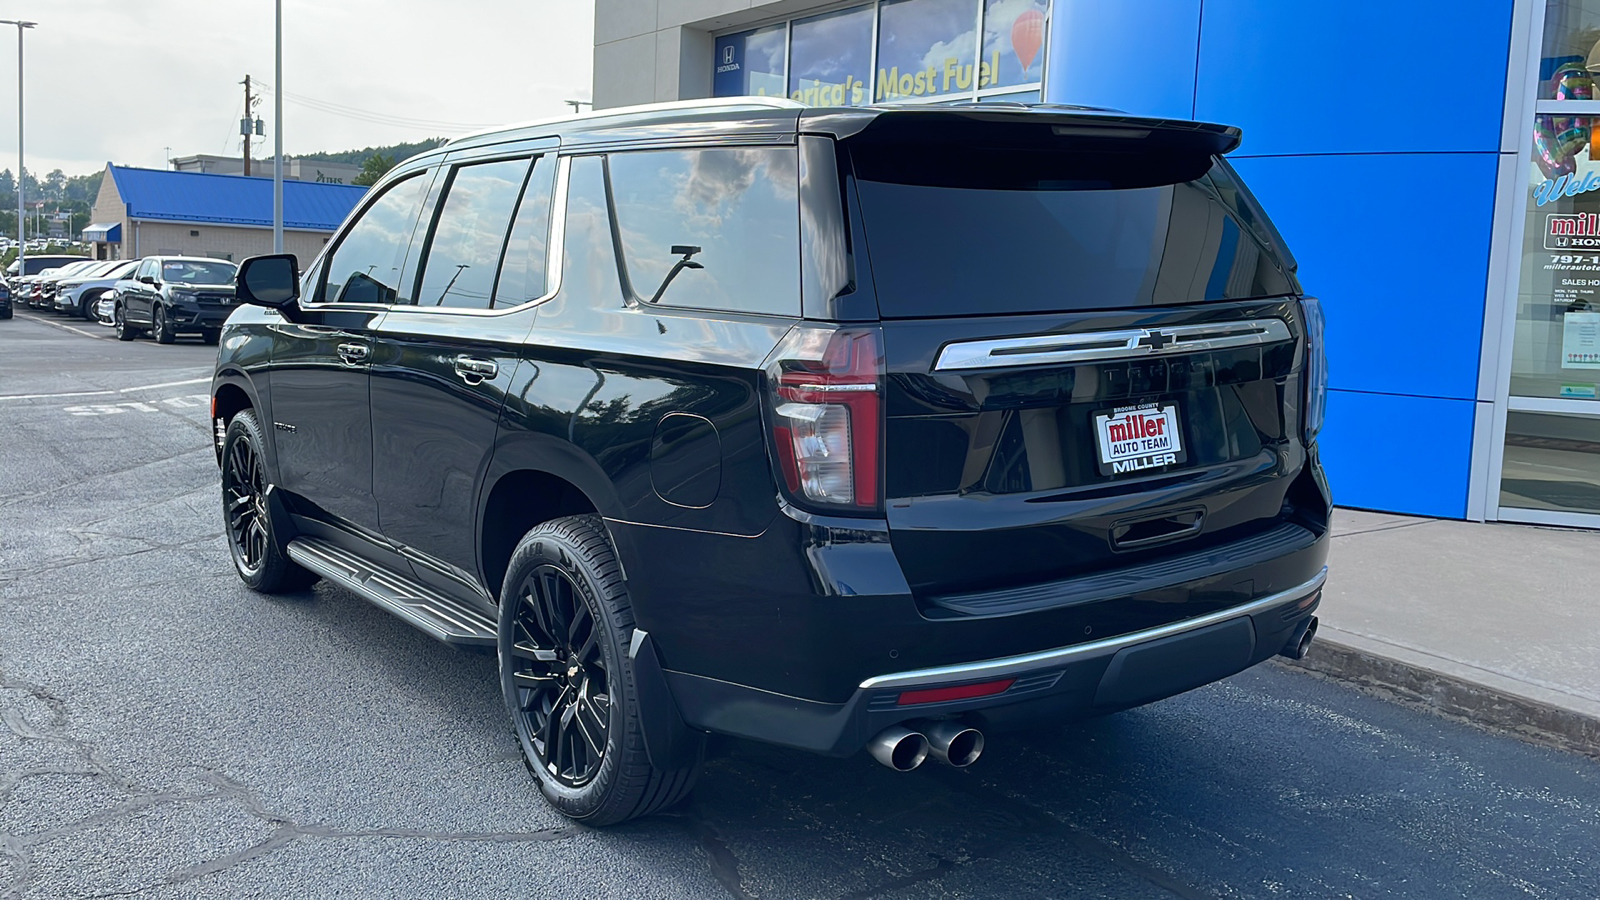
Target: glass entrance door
(1550,469)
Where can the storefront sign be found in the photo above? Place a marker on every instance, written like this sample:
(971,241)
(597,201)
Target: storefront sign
(1565,186)
(1572,231)
(950,76)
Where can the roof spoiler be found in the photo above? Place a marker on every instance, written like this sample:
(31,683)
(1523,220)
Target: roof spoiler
(1034,124)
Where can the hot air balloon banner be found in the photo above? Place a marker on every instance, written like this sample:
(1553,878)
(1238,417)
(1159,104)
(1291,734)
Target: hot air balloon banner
(1027,36)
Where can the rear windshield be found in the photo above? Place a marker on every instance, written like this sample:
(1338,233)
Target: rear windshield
(963,230)
(37,264)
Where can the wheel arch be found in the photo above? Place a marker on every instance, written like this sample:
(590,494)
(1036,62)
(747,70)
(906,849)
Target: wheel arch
(231,394)
(534,478)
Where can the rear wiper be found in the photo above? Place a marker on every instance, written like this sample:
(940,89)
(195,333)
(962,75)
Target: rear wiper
(686,262)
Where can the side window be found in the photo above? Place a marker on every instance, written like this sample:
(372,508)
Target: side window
(365,267)
(469,233)
(588,260)
(733,213)
(522,274)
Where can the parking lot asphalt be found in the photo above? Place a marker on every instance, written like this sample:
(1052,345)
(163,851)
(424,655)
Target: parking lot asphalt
(170,734)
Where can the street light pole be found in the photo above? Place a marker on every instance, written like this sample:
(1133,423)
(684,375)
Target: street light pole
(277,133)
(22,177)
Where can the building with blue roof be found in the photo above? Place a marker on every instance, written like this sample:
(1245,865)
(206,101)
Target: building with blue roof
(144,212)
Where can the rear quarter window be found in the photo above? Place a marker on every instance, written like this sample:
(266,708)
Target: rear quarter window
(739,206)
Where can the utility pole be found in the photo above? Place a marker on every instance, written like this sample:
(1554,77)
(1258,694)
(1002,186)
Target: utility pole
(244,126)
(22,171)
(277,127)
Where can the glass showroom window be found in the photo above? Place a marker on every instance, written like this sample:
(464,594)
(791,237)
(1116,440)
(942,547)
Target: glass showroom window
(1551,455)
(893,51)
(751,63)
(831,58)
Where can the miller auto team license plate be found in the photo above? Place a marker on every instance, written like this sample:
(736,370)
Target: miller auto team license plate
(1136,438)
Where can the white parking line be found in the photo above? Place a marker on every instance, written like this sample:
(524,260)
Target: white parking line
(43,321)
(106,393)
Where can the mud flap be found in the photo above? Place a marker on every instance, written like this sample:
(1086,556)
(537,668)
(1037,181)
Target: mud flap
(670,743)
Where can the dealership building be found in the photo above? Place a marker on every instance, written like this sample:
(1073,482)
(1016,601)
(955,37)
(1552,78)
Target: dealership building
(1435,170)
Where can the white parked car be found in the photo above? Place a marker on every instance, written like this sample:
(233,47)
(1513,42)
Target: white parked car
(105,307)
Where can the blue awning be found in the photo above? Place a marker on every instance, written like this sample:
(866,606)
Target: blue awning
(107,233)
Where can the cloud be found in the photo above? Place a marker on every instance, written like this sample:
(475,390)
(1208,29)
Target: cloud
(118,81)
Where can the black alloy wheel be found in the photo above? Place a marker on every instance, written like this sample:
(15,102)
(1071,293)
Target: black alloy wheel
(159,329)
(559,672)
(257,552)
(565,625)
(244,495)
(125,332)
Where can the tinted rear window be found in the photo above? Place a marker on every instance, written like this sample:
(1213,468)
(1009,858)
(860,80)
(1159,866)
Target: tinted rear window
(964,230)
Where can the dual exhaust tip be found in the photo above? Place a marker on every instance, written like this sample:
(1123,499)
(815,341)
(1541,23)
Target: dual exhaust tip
(1300,642)
(903,749)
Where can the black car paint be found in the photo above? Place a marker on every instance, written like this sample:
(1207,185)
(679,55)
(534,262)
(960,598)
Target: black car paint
(763,618)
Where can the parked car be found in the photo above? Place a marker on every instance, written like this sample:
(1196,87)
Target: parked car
(35,265)
(5,301)
(173,295)
(78,293)
(831,428)
(46,282)
(105,306)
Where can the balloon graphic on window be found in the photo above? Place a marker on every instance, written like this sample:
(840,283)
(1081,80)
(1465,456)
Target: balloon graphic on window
(1027,34)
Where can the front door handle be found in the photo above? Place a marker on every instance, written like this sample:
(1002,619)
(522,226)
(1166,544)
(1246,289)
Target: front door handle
(474,370)
(354,353)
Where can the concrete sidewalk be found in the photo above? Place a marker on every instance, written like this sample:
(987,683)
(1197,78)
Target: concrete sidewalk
(1494,623)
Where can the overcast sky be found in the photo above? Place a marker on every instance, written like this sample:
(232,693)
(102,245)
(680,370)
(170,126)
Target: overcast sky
(124,80)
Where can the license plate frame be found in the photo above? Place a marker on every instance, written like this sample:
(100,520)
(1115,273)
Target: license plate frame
(1139,438)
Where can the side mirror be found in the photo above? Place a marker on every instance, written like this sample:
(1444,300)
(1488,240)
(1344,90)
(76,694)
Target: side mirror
(270,281)
(148,279)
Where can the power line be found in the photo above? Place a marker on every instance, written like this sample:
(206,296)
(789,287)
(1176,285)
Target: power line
(351,112)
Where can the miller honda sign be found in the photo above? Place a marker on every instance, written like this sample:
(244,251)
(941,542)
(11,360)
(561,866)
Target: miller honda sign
(1572,231)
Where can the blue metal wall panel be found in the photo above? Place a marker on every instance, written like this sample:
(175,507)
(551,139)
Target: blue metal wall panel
(1398,454)
(1350,76)
(1397,246)
(1138,57)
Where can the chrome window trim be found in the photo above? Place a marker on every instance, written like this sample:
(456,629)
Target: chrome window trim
(1089,346)
(1016,665)
(368,200)
(558,219)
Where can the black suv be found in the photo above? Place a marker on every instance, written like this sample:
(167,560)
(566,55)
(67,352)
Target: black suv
(832,428)
(173,295)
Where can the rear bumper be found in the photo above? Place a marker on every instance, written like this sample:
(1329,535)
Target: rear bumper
(1070,682)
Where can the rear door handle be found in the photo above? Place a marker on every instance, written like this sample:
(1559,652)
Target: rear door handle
(474,370)
(354,353)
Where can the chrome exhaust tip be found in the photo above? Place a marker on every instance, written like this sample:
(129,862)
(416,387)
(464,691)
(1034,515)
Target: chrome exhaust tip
(1300,644)
(901,749)
(953,743)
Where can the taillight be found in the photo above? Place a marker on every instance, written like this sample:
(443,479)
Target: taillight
(824,386)
(1316,366)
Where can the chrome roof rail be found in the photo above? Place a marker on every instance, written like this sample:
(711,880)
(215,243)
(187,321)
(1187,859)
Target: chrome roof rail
(707,103)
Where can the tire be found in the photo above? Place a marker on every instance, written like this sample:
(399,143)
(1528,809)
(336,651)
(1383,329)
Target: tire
(211,337)
(257,552)
(158,324)
(86,308)
(5,313)
(125,332)
(565,572)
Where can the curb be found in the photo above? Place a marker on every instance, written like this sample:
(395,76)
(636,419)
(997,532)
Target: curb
(1453,697)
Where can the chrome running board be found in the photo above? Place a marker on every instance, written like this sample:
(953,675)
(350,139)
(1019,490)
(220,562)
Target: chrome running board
(442,617)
